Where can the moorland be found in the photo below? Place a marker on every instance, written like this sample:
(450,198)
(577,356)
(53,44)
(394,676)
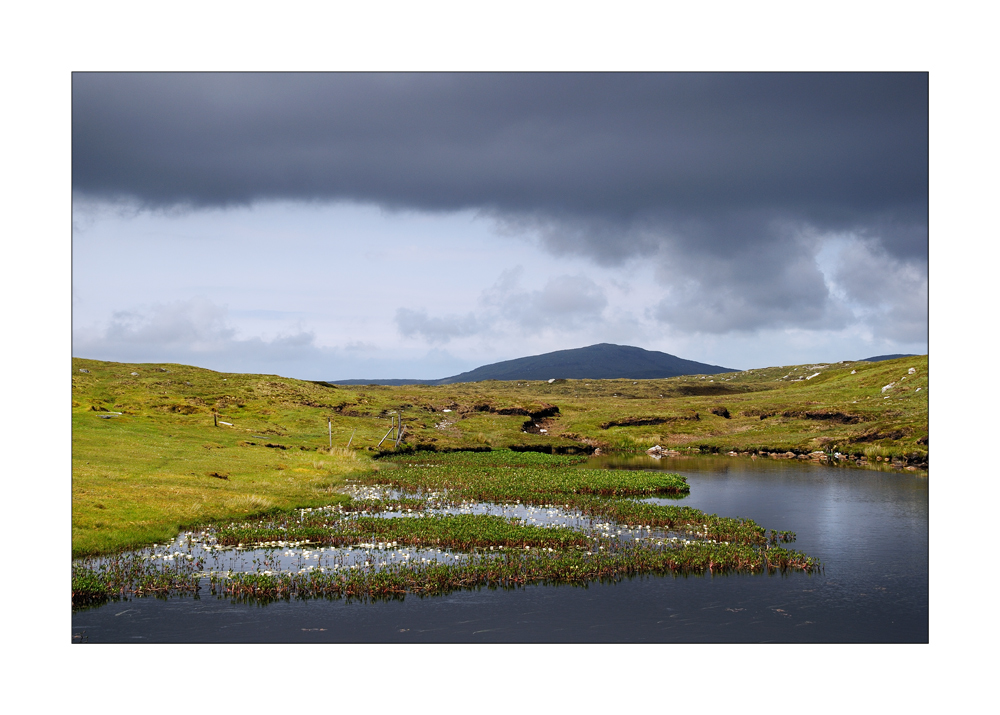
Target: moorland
(158,447)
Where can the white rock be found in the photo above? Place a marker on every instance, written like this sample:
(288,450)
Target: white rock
(853,371)
(912,370)
(552,380)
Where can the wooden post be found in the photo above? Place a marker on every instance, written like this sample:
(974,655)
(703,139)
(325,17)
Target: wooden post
(329,426)
(384,438)
(351,439)
(215,418)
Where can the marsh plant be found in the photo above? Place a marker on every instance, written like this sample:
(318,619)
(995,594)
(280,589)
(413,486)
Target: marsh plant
(442,522)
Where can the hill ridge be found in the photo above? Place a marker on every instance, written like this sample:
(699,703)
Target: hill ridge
(603,361)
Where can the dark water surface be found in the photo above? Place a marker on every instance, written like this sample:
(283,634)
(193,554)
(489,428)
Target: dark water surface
(869,528)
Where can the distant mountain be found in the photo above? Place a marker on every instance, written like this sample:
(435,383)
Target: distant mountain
(597,362)
(880,358)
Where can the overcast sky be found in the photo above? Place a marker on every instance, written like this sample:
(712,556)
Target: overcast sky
(331,226)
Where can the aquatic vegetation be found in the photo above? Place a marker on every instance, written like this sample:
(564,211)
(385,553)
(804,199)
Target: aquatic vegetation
(460,531)
(465,476)
(485,477)
(470,520)
(134,574)
(709,526)
(514,569)
(376,506)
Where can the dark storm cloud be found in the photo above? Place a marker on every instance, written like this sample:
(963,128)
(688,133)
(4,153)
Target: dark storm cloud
(691,168)
(832,148)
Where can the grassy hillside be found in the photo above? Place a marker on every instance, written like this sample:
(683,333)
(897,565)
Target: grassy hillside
(162,463)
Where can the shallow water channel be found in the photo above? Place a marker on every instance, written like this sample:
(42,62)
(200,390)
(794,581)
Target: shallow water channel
(869,529)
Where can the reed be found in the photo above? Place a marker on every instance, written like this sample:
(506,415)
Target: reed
(613,535)
(513,570)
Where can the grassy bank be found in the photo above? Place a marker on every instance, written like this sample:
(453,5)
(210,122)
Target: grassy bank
(140,480)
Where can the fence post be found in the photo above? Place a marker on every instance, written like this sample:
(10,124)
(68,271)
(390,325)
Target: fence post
(384,438)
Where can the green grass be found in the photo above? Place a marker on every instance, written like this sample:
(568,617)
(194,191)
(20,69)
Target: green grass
(140,477)
(538,479)
(163,465)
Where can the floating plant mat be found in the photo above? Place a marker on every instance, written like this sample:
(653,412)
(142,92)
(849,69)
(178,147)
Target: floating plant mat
(431,526)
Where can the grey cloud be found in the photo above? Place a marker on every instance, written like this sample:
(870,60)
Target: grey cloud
(569,295)
(197,332)
(188,331)
(871,276)
(891,294)
(906,320)
(196,324)
(563,302)
(417,323)
(748,286)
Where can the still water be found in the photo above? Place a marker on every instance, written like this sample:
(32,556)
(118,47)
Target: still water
(869,528)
